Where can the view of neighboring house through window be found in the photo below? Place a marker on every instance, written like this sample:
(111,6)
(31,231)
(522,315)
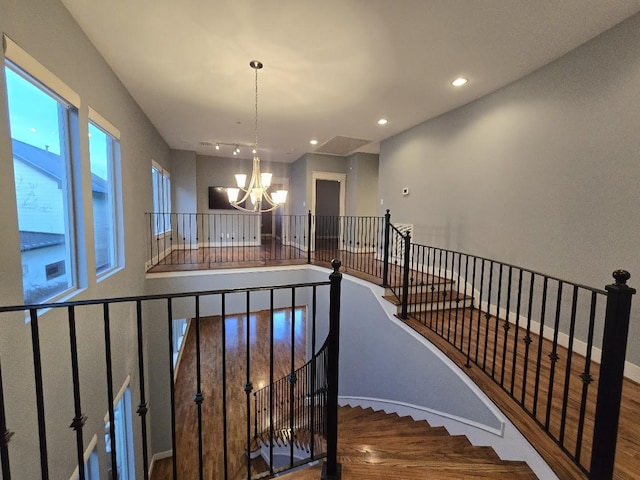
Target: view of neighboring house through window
(40,137)
(179,330)
(103,154)
(161,199)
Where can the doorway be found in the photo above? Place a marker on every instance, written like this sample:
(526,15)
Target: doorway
(327,231)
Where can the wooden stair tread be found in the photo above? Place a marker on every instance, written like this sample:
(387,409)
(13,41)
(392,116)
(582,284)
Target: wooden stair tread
(378,446)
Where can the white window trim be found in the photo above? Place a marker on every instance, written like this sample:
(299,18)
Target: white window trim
(109,128)
(14,53)
(87,455)
(155,165)
(55,87)
(103,123)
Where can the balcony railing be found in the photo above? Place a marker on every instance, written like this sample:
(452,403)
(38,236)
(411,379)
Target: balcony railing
(533,334)
(75,338)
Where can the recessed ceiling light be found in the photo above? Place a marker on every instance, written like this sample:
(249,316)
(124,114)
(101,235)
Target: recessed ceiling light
(460,81)
(33,130)
(382,121)
(313,142)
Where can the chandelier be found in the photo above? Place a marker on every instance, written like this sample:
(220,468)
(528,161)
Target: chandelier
(257,191)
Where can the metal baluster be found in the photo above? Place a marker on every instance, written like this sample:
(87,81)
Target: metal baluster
(172,392)
(313,371)
(248,386)
(198,398)
(37,366)
(527,340)
(450,290)
(479,312)
(567,372)
(455,331)
(225,430)
(142,406)
(515,335)
(112,428)
(271,380)
(554,355)
(586,378)
(473,292)
(79,419)
(423,291)
(506,327)
(487,317)
(497,326)
(434,285)
(292,375)
(543,311)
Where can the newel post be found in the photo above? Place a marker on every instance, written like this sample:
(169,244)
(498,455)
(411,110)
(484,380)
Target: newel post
(614,346)
(309,237)
(405,275)
(331,469)
(385,265)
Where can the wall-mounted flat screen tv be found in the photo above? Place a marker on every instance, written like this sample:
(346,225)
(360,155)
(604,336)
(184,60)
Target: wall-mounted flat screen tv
(218,199)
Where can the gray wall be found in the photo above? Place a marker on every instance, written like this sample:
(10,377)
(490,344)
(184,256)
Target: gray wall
(298,204)
(362,176)
(183,181)
(543,173)
(48,32)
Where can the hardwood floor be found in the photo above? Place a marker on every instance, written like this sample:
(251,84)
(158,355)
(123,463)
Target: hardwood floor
(503,380)
(511,380)
(212,387)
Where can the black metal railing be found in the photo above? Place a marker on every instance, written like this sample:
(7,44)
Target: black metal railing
(239,239)
(291,412)
(210,239)
(535,336)
(142,317)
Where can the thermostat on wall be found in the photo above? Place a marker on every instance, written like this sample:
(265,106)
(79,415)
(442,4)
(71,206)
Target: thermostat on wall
(405,191)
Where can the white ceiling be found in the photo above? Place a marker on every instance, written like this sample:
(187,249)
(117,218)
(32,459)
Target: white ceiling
(331,67)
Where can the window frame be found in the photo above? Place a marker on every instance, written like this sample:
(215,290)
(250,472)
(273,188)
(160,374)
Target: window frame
(161,199)
(115,194)
(30,70)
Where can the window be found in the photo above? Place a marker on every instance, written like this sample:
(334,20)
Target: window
(54,270)
(123,425)
(179,329)
(161,199)
(104,154)
(40,121)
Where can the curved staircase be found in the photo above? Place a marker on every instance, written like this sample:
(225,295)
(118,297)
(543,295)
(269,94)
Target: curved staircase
(376,445)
